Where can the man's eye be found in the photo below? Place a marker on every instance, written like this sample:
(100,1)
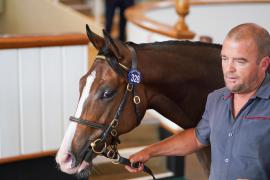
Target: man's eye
(107,94)
(240,61)
(224,59)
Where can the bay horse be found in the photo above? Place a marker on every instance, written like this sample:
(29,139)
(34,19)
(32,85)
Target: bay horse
(171,77)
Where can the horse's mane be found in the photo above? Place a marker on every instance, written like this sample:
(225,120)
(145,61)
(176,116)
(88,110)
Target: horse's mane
(173,43)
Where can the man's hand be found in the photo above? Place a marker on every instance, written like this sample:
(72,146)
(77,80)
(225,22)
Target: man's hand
(140,157)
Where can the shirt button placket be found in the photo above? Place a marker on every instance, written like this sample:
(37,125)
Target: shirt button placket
(228,148)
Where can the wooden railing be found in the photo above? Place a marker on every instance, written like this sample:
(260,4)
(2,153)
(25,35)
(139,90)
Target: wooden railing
(30,41)
(137,15)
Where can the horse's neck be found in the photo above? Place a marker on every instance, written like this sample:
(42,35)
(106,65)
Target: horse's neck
(165,71)
(163,90)
(174,86)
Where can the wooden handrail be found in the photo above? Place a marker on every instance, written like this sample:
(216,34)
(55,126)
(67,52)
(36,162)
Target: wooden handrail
(27,41)
(136,15)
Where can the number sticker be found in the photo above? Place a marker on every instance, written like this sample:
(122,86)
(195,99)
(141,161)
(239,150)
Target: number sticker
(134,77)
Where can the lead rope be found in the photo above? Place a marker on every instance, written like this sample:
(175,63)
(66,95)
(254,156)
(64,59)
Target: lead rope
(117,159)
(126,161)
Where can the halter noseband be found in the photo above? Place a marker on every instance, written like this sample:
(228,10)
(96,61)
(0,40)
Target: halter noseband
(99,146)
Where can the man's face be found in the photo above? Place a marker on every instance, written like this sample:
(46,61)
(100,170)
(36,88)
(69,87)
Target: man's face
(242,73)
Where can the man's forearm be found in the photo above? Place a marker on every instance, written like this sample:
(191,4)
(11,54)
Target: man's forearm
(180,144)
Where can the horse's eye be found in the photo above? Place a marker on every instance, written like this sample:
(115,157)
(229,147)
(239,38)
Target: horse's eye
(107,94)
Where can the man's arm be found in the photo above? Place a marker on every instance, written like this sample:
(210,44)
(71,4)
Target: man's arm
(180,144)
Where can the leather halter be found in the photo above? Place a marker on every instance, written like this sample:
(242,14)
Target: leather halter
(99,146)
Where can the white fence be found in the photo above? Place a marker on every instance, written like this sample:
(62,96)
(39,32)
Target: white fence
(39,89)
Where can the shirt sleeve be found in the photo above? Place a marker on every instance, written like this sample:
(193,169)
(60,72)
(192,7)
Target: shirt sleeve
(203,129)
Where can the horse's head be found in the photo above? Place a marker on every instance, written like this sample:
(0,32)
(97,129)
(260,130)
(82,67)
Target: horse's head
(109,105)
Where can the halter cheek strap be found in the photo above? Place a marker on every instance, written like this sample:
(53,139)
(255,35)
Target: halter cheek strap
(131,87)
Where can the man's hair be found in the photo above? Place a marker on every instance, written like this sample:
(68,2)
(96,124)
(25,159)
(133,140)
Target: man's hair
(257,33)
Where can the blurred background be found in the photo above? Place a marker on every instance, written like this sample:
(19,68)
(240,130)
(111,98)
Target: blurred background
(44,51)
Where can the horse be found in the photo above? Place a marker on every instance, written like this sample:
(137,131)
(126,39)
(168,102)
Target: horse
(171,77)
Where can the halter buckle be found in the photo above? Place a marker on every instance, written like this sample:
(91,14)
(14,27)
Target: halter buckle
(114,123)
(114,132)
(129,87)
(93,145)
(136,99)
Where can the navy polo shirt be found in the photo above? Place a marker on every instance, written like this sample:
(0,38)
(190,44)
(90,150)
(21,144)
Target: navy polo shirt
(240,146)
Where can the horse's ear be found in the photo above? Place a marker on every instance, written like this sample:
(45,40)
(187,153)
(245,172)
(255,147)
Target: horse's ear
(95,39)
(111,45)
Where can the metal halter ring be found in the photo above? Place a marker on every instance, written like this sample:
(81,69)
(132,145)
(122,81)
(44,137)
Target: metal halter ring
(136,99)
(116,161)
(129,87)
(114,132)
(114,123)
(93,145)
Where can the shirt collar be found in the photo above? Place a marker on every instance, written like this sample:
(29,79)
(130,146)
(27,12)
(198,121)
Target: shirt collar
(227,94)
(263,91)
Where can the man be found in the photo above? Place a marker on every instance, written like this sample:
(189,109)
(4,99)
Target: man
(236,121)
(110,7)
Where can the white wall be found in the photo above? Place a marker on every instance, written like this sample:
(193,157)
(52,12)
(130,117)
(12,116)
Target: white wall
(212,20)
(39,91)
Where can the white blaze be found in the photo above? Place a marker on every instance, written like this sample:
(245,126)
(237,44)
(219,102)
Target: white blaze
(63,158)
(85,93)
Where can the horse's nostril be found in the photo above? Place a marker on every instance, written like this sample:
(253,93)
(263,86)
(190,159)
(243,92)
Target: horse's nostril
(68,158)
(73,160)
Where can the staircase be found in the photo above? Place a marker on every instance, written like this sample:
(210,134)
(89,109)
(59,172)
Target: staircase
(83,6)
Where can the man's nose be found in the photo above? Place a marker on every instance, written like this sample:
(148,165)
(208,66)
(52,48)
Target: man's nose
(230,66)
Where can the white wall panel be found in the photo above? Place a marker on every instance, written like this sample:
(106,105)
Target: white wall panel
(51,78)
(39,91)
(30,100)
(74,68)
(9,104)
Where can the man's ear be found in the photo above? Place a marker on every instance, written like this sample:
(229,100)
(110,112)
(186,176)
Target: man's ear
(265,62)
(95,39)
(268,65)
